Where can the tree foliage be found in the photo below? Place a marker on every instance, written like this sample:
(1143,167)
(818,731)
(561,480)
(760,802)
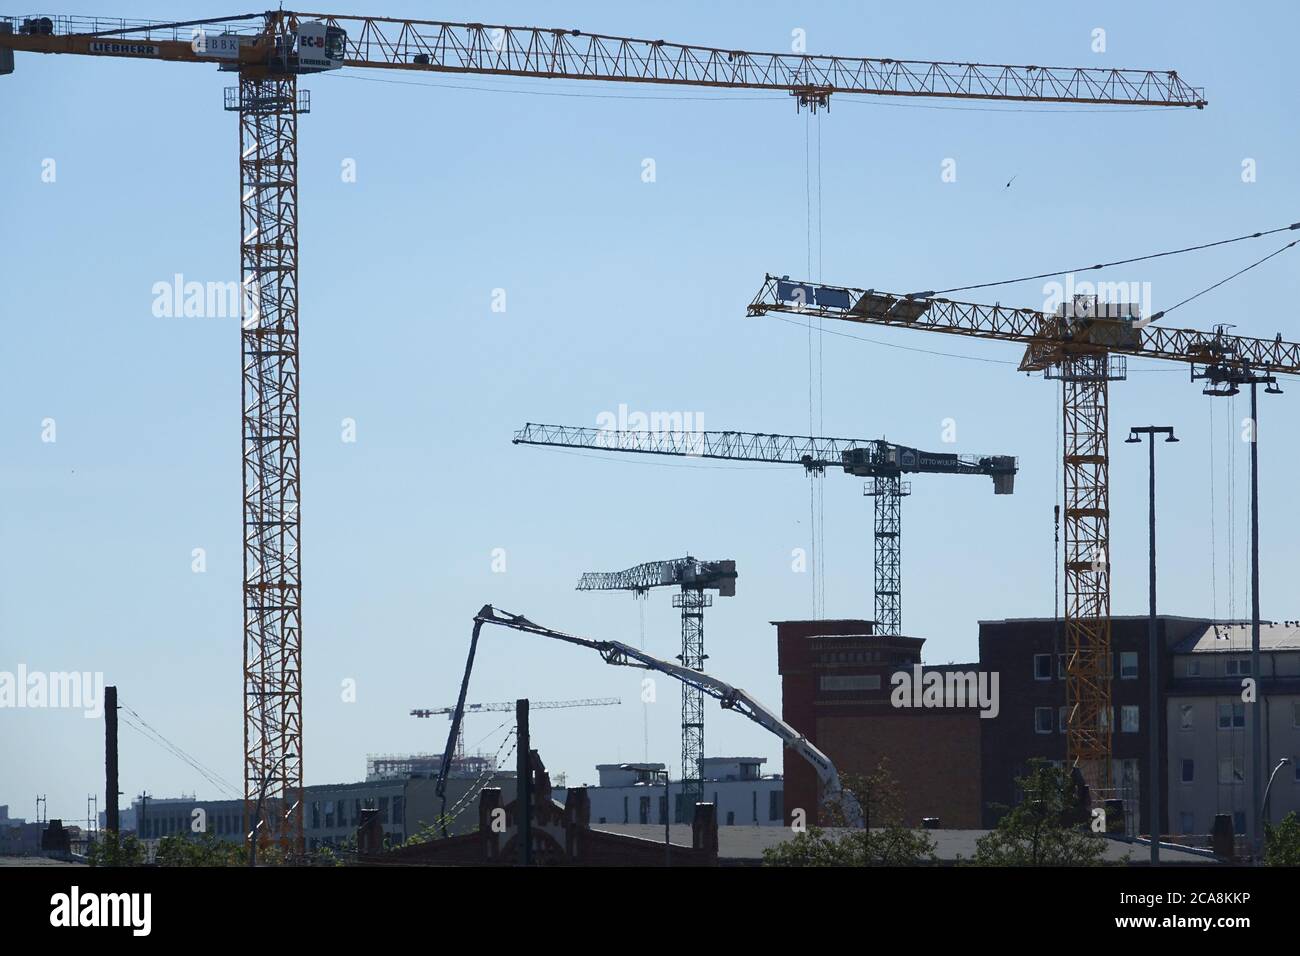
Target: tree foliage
(1043,830)
(207,850)
(1282,842)
(885,842)
(110,851)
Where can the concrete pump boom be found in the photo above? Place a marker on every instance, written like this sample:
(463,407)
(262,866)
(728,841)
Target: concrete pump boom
(624,655)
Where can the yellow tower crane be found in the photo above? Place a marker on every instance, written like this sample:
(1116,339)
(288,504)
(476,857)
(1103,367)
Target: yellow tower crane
(1084,344)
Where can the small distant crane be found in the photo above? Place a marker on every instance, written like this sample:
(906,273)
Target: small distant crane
(694,577)
(507,706)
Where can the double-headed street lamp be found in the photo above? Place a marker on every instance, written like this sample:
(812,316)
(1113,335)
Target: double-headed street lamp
(1223,378)
(1153,650)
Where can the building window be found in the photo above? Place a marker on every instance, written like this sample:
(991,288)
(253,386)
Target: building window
(1231,770)
(644,809)
(731,818)
(383,809)
(754,795)
(1295,713)
(1185,712)
(329,814)
(1128,719)
(1193,668)
(775,811)
(1189,770)
(1186,823)
(663,809)
(679,808)
(315,814)
(1042,667)
(397,811)
(1062,719)
(1128,665)
(1239,821)
(1060,666)
(1043,720)
(850,682)
(1238,666)
(625,819)
(1232,715)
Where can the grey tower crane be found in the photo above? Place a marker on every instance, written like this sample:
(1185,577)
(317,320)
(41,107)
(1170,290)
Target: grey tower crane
(695,578)
(883,463)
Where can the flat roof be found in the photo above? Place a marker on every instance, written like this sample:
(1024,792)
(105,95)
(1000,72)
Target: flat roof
(1113,617)
(1235,638)
(828,620)
(747,843)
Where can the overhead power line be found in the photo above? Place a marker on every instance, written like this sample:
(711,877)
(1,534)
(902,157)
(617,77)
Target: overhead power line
(1107,265)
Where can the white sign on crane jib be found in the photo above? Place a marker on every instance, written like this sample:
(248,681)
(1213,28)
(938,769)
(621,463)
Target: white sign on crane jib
(313,50)
(222,46)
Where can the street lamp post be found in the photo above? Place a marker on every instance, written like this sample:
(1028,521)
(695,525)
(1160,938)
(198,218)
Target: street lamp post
(1227,376)
(1153,650)
(1264,809)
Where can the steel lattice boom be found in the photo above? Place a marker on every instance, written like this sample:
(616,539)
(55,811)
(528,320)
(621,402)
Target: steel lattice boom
(687,572)
(881,461)
(575,55)
(508,706)
(1080,344)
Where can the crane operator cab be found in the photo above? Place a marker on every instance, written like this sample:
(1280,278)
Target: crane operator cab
(1091,319)
(314,48)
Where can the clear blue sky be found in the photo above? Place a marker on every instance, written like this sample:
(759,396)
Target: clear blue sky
(618,291)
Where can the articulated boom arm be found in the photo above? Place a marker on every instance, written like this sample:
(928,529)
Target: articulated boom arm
(1047,336)
(477,48)
(865,458)
(732,698)
(684,572)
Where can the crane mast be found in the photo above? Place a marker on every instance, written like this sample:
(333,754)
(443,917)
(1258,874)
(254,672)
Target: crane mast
(881,462)
(270,51)
(1085,344)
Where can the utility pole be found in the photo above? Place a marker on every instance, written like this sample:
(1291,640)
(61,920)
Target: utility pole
(524,783)
(1152,783)
(110,762)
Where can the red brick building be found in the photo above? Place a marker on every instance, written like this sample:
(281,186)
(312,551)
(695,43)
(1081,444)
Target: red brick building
(836,690)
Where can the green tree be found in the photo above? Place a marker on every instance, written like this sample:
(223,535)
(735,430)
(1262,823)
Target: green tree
(206,850)
(1044,829)
(887,841)
(1282,842)
(110,851)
